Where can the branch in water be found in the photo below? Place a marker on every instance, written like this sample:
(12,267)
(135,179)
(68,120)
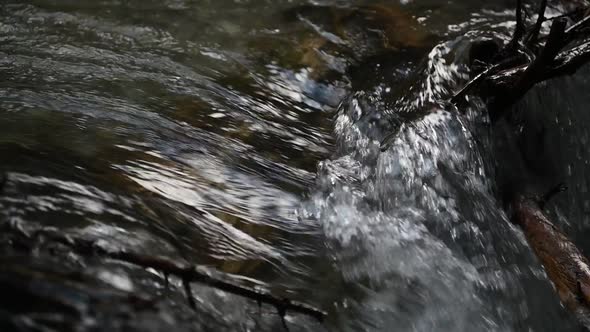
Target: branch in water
(482,76)
(566,266)
(534,34)
(187,273)
(578,28)
(517,67)
(554,43)
(570,61)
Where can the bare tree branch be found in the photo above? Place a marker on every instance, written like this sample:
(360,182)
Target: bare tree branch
(568,62)
(575,30)
(534,34)
(518,67)
(550,50)
(481,76)
(187,273)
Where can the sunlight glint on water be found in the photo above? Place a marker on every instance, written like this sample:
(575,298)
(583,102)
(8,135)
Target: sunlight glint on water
(210,131)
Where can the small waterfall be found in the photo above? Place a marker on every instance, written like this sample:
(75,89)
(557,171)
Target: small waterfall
(408,209)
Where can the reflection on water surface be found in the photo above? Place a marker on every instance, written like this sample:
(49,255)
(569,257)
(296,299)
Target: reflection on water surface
(211,131)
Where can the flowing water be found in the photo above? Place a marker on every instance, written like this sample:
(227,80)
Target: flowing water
(302,146)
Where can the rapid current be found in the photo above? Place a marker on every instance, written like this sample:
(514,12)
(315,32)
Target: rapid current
(306,147)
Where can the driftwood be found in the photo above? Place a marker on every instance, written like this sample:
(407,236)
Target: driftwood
(527,59)
(168,267)
(530,58)
(566,266)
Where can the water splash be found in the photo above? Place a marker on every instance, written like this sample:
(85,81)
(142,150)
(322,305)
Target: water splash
(414,225)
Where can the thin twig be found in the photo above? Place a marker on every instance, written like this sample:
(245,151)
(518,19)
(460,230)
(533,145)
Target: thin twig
(568,14)
(568,62)
(573,31)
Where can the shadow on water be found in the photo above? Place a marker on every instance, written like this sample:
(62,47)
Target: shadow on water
(247,136)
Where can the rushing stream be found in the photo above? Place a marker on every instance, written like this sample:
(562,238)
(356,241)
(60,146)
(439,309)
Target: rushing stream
(303,146)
